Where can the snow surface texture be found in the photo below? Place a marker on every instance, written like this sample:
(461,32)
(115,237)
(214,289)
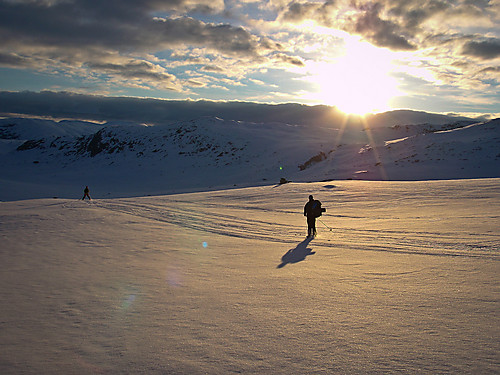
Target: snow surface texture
(406,281)
(45,159)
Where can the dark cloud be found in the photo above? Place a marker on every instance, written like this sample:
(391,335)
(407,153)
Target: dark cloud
(212,68)
(300,11)
(135,69)
(195,83)
(484,49)
(111,38)
(400,25)
(223,38)
(12,60)
(118,25)
(380,32)
(153,111)
(411,14)
(100,108)
(492,70)
(366,20)
(292,60)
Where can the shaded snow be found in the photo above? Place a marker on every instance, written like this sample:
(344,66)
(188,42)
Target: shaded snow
(223,282)
(41,159)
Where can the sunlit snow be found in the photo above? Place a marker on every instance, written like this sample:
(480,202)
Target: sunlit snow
(402,278)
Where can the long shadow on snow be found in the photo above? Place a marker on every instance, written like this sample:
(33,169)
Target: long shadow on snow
(297,254)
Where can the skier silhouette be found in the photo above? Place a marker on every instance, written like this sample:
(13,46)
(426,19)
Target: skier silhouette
(86,193)
(312,210)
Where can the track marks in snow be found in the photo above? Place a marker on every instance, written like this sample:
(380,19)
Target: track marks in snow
(208,218)
(412,242)
(246,222)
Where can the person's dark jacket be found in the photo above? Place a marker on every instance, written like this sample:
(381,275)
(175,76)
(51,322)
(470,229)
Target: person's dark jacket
(312,209)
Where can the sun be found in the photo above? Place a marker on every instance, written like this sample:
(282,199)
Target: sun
(358,82)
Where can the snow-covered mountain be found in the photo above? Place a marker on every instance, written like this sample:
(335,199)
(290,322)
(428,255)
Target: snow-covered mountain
(42,158)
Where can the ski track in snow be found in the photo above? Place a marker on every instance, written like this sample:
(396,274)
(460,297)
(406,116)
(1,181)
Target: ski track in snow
(227,225)
(243,223)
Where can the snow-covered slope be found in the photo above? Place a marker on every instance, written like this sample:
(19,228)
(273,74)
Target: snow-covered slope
(421,153)
(45,158)
(27,128)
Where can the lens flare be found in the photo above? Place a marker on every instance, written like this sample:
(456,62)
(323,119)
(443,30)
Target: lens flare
(173,277)
(129,300)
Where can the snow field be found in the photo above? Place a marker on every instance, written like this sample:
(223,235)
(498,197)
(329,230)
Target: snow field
(223,282)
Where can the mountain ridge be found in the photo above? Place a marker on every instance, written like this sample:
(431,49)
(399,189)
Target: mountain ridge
(127,158)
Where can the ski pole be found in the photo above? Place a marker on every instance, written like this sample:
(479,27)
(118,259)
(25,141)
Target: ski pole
(321,221)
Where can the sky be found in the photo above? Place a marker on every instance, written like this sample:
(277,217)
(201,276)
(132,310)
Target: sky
(361,56)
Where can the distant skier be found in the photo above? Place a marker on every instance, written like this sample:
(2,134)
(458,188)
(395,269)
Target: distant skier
(312,210)
(86,193)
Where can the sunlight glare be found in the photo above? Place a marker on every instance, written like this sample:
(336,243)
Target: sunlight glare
(357,82)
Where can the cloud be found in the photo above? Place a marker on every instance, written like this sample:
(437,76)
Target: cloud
(88,37)
(484,49)
(118,25)
(137,70)
(12,60)
(398,25)
(195,83)
(212,68)
(456,39)
(382,33)
(292,60)
(362,18)
(222,38)
(99,108)
(322,13)
(492,71)
(183,45)
(153,111)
